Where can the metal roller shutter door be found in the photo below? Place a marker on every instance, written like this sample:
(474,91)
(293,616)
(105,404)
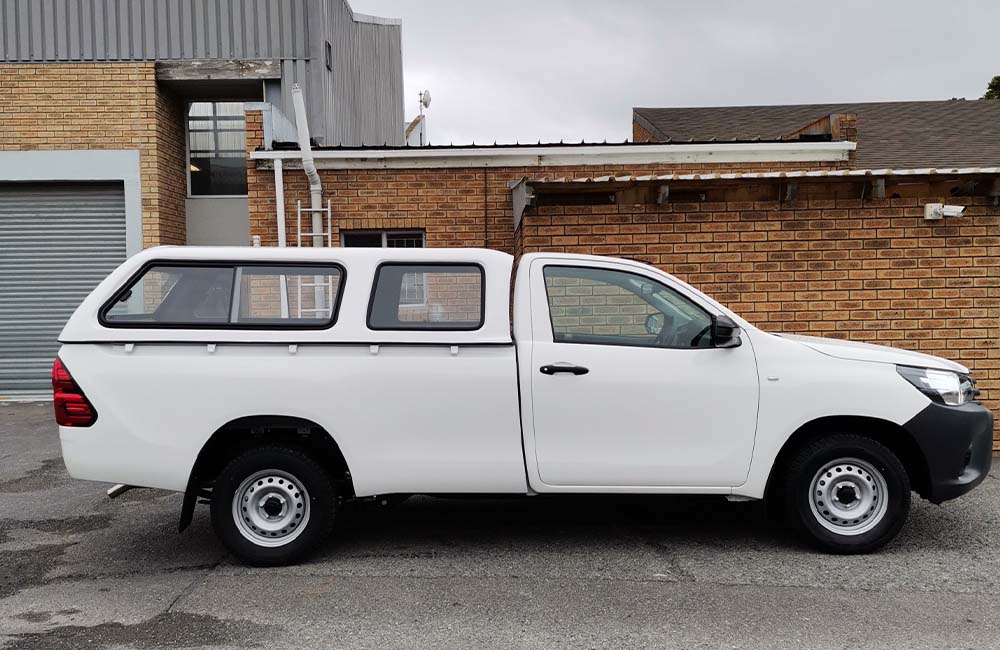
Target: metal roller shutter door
(57,241)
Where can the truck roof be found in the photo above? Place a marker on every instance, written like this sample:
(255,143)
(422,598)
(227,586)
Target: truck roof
(320,254)
(360,265)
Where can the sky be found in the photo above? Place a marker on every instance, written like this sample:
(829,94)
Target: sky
(528,70)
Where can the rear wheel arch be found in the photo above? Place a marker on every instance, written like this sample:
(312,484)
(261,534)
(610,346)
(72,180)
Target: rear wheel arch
(893,436)
(248,432)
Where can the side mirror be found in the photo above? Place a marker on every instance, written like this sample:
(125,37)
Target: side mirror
(725,332)
(654,324)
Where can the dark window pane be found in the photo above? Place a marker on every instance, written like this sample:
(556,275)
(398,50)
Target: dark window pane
(377,238)
(199,296)
(176,295)
(609,307)
(363,239)
(427,296)
(217,148)
(218,176)
(287,296)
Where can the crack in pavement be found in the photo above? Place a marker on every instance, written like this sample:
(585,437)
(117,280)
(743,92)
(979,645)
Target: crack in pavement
(198,580)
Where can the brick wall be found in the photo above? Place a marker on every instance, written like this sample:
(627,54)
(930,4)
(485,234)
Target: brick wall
(827,264)
(76,106)
(867,270)
(455,207)
(167,223)
(640,134)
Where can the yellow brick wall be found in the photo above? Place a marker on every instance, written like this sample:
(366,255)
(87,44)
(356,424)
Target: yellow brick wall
(826,264)
(454,207)
(640,134)
(80,106)
(867,270)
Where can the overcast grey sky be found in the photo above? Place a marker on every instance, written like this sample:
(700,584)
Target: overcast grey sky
(552,69)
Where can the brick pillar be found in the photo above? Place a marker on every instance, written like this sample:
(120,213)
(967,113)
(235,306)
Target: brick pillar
(261,203)
(847,131)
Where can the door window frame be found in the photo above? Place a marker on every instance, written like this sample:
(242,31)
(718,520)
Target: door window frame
(552,328)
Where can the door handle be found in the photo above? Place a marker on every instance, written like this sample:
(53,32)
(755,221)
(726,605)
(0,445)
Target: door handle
(553,369)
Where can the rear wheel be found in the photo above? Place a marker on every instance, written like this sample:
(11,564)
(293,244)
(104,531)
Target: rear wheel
(846,494)
(273,505)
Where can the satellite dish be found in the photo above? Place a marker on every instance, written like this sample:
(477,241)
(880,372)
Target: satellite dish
(425,99)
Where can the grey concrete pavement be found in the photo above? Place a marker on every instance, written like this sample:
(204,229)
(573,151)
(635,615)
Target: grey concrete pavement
(78,570)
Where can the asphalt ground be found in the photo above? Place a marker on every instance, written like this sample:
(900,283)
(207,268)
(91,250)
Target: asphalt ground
(78,570)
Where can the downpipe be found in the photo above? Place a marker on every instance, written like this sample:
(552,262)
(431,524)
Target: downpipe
(308,162)
(315,185)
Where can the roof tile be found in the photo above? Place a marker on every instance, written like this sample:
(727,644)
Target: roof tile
(952,133)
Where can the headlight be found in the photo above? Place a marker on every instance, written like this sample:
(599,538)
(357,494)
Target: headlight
(942,386)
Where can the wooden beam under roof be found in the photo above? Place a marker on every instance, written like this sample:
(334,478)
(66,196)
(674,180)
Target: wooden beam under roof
(218,70)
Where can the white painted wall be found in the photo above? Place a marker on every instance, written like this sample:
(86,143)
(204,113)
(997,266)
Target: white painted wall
(218,221)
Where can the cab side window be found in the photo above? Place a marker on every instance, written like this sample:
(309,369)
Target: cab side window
(610,307)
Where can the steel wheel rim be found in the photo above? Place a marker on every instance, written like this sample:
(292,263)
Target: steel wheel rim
(848,496)
(271,508)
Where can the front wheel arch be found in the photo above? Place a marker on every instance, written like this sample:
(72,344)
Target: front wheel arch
(846,494)
(247,432)
(893,436)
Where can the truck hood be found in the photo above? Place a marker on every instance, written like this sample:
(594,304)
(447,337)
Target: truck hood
(853,351)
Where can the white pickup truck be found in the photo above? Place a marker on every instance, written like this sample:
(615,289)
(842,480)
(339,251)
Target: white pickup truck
(277,383)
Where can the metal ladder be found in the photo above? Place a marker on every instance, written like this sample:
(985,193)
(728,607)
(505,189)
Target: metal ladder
(322,288)
(328,232)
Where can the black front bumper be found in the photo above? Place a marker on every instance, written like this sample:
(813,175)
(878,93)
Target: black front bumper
(957,442)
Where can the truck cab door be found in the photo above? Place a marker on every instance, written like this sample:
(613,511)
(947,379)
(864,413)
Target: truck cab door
(627,388)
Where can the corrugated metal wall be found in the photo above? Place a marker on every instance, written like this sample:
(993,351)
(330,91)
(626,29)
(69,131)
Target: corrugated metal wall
(367,81)
(359,101)
(57,242)
(146,30)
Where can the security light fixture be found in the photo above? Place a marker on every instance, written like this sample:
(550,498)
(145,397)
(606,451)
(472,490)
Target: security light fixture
(935,211)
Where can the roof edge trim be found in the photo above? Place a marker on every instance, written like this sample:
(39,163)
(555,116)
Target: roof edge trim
(784,175)
(550,156)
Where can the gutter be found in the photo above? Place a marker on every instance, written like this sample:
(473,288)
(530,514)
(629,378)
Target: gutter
(556,155)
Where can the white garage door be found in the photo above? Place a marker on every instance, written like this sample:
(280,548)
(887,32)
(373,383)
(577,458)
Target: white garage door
(57,241)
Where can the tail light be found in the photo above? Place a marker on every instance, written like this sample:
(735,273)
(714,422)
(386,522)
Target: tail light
(72,407)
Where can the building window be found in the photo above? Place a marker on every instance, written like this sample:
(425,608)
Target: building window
(382,238)
(412,291)
(217,156)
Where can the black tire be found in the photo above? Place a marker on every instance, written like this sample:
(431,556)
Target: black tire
(811,517)
(283,463)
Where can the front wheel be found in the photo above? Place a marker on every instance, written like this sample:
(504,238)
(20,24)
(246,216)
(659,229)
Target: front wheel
(846,494)
(272,505)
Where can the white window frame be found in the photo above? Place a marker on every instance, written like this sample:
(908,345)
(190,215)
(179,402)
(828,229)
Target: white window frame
(187,150)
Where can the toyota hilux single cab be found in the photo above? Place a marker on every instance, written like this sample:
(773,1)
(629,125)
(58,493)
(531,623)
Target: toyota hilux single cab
(278,383)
